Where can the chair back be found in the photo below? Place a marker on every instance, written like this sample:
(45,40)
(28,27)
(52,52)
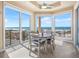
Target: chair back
(46,33)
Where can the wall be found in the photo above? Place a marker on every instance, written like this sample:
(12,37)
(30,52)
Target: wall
(74,23)
(1,18)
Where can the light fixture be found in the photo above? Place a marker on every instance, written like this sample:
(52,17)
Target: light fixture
(44,6)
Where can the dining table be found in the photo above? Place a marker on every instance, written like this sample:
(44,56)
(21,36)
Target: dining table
(40,38)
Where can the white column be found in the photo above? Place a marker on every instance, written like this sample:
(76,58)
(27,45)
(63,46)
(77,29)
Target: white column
(3,25)
(20,26)
(32,23)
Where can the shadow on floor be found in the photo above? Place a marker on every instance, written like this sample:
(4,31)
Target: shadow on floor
(65,51)
(4,54)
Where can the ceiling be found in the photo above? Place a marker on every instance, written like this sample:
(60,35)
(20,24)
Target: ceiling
(35,5)
(47,2)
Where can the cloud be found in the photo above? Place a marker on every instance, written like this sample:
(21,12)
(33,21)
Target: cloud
(6,20)
(63,22)
(66,21)
(46,20)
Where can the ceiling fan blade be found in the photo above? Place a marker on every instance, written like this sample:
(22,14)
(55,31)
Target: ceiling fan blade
(55,4)
(49,7)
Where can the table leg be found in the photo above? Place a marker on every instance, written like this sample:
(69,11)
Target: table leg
(38,49)
(10,37)
(46,46)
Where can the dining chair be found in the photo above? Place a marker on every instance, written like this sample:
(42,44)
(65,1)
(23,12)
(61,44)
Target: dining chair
(35,42)
(50,40)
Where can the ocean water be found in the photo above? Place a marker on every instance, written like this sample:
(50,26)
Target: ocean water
(58,28)
(27,28)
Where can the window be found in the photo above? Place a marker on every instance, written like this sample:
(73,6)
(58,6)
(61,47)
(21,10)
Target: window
(46,22)
(36,23)
(11,18)
(11,27)
(63,23)
(25,25)
(63,20)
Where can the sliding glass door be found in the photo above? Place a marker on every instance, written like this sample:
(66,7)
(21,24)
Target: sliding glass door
(25,26)
(36,23)
(46,22)
(63,24)
(11,27)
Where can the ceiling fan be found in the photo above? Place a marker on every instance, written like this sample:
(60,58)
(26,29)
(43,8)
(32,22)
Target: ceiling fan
(49,6)
(45,6)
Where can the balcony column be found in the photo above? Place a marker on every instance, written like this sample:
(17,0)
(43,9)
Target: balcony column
(39,24)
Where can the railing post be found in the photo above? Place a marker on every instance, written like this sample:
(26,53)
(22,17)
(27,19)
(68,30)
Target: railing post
(20,27)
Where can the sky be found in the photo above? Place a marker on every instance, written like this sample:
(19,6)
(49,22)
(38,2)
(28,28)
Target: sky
(12,19)
(61,20)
